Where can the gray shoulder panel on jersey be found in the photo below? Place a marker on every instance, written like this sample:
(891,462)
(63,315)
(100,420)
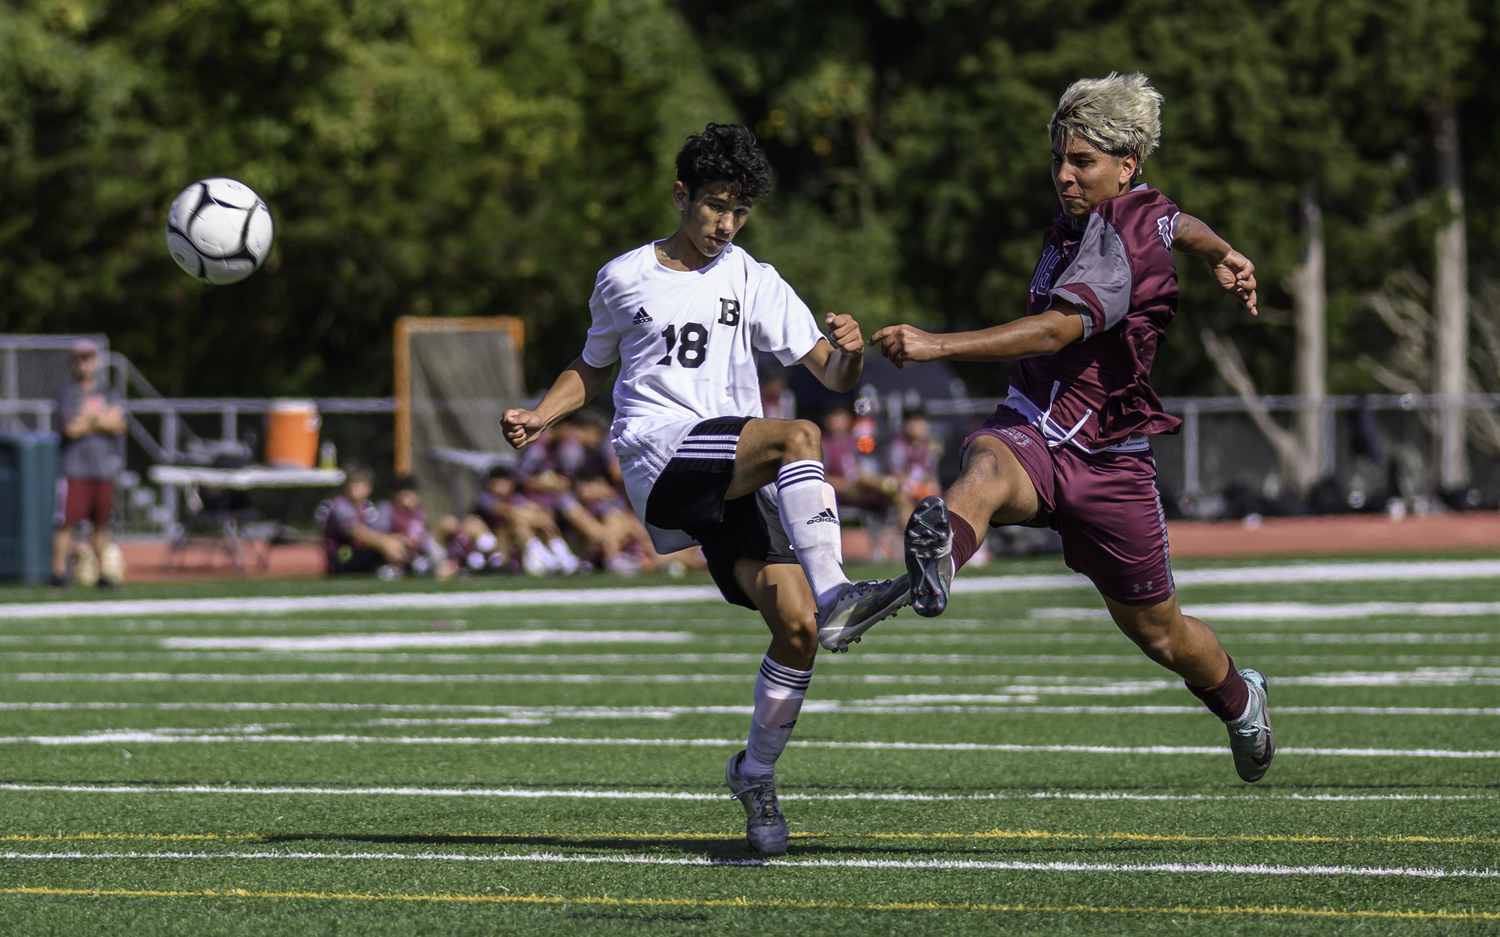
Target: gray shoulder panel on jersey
(1102,265)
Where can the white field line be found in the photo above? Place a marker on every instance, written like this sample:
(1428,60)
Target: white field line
(912,865)
(387,641)
(659,595)
(898,705)
(321,647)
(1295,611)
(434,678)
(251,734)
(531,793)
(519,659)
(1421,676)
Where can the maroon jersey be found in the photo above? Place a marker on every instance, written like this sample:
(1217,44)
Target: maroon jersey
(1119,272)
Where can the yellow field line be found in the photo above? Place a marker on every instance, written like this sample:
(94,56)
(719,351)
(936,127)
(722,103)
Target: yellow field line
(991,834)
(747,903)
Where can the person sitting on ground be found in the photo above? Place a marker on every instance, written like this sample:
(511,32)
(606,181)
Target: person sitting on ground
(912,459)
(619,539)
(352,538)
(526,526)
(91,418)
(586,447)
(537,472)
(403,516)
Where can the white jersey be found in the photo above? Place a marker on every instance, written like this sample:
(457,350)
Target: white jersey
(686,341)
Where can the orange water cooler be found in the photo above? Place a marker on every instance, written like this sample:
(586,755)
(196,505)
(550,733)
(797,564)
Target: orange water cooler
(292,434)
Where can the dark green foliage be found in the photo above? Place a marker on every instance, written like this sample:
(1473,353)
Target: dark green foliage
(459,157)
(426,157)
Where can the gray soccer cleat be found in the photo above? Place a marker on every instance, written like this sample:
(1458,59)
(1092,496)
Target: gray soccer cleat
(1251,738)
(929,556)
(765,826)
(856,609)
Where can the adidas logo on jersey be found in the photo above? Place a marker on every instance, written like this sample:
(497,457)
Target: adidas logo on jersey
(641,318)
(825,516)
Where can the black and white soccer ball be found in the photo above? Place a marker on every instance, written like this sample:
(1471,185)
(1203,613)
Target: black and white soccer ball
(219,230)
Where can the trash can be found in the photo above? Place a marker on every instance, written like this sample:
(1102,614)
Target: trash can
(28,499)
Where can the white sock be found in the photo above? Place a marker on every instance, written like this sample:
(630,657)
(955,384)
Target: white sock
(778,699)
(566,561)
(811,518)
(536,560)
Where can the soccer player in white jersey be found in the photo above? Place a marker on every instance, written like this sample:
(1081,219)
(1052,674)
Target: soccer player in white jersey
(685,317)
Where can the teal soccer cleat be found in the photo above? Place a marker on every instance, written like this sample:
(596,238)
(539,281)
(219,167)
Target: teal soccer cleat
(1251,737)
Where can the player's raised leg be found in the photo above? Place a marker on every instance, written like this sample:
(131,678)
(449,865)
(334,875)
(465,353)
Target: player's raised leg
(1189,648)
(789,454)
(782,596)
(945,531)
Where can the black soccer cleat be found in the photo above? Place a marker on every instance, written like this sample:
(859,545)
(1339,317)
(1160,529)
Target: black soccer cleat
(929,556)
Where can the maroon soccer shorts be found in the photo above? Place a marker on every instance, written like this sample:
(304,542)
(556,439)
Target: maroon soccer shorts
(1105,506)
(86,499)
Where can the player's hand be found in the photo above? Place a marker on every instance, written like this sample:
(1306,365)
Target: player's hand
(903,343)
(844,333)
(1236,274)
(522,427)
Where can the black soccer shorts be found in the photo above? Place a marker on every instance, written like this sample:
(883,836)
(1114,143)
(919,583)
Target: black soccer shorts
(689,496)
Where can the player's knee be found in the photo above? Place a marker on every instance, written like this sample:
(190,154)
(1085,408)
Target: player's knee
(801,638)
(1160,648)
(803,440)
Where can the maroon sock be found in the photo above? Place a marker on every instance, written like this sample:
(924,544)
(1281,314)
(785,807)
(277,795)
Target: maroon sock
(964,541)
(1227,698)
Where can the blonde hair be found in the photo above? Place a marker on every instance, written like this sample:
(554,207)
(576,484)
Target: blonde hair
(1120,114)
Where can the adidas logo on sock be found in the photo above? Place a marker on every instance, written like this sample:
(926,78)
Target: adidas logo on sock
(825,516)
(642,317)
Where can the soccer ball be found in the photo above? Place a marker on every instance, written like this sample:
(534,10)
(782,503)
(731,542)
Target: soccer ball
(219,230)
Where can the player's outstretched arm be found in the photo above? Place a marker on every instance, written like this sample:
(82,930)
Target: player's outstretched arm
(839,364)
(572,389)
(1028,337)
(1233,270)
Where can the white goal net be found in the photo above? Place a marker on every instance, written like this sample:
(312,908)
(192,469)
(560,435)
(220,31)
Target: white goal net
(454,380)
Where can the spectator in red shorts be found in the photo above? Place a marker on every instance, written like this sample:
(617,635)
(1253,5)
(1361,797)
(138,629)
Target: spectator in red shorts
(90,415)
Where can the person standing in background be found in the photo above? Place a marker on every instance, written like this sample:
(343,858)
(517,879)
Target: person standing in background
(91,416)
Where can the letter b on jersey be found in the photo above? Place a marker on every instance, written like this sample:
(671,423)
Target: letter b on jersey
(729,312)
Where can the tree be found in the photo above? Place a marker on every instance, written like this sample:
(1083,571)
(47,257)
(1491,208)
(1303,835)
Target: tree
(448,157)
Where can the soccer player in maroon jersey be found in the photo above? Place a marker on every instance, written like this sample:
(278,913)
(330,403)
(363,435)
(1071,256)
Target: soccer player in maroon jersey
(1069,449)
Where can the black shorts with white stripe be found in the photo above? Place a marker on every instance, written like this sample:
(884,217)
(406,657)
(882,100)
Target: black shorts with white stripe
(690,491)
(689,496)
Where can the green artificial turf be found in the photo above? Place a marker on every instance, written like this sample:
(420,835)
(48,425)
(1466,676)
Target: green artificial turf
(164,776)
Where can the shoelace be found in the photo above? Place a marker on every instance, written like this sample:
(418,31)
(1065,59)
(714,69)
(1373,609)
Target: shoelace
(767,807)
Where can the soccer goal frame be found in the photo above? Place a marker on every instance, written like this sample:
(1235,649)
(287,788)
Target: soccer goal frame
(406,327)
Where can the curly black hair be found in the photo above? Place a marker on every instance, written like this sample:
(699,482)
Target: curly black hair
(725,152)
